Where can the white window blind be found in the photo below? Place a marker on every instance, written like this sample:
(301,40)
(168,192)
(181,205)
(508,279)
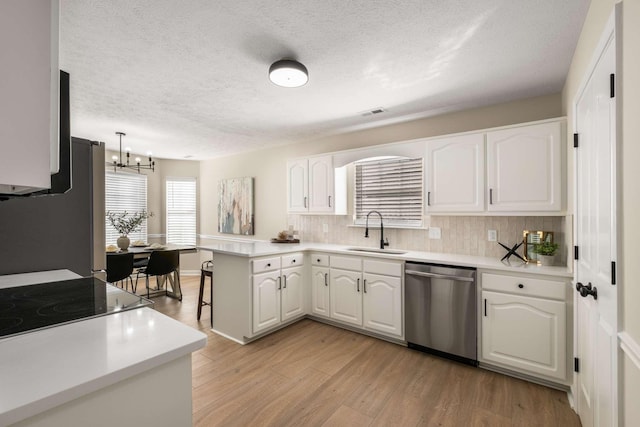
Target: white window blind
(125,192)
(392,187)
(181,211)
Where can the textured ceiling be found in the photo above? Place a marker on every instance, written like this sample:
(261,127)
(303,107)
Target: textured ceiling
(189,77)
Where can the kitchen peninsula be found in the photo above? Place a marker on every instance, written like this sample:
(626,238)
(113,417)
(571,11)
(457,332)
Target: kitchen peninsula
(86,372)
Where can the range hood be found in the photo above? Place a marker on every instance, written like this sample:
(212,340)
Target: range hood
(61,180)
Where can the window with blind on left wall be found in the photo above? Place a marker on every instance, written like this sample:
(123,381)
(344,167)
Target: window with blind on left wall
(181,210)
(125,192)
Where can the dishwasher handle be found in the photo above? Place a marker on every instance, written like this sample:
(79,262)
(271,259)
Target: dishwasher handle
(439,276)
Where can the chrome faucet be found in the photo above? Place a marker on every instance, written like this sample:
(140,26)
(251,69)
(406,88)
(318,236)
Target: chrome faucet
(383,241)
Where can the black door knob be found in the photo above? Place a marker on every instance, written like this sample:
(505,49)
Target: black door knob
(585,291)
(579,286)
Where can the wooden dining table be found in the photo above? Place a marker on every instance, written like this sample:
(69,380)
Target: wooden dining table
(140,252)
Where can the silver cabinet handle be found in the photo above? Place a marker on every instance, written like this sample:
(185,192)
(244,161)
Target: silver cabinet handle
(364,286)
(491,196)
(285,281)
(438,276)
(358,285)
(325,279)
(305,201)
(279,282)
(428,198)
(329,201)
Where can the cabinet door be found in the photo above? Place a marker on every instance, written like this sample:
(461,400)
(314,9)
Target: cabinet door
(321,184)
(523,168)
(266,300)
(455,174)
(525,333)
(346,296)
(297,186)
(29,100)
(292,293)
(382,304)
(320,291)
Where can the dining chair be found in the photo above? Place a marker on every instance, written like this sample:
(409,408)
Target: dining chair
(120,268)
(161,263)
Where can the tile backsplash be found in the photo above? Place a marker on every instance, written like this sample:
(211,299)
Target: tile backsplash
(465,235)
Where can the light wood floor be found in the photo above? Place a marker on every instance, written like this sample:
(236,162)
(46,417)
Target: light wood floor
(311,374)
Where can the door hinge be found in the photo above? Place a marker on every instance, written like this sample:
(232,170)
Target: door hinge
(613,272)
(576,364)
(575,253)
(575,140)
(612,85)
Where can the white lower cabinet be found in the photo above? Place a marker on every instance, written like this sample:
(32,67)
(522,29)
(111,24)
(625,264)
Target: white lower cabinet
(382,303)
(367,293)
(320,297)
(346,296)
(523,326)
(278,293)
(266,300)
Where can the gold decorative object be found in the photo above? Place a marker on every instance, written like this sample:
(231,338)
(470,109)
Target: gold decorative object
(533,238)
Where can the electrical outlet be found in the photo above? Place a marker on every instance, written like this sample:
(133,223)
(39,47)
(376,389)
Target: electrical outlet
(492,236)
(435,233)
(325,228)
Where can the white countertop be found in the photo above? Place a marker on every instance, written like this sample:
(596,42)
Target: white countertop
(257,248)
(21,279)
(43,369)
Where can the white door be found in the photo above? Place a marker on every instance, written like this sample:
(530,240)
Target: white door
(526,333)
(524,168)
(346,296)
(297,185)
(291,294)
(455,174)
(382,303)
(596,327)
(266,300)
(321,187)
(320,291)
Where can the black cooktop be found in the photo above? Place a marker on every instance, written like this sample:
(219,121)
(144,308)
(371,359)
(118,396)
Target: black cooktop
(27,308)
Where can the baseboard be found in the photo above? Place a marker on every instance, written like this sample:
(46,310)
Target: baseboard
(189,272)
(630,347)
(222,334)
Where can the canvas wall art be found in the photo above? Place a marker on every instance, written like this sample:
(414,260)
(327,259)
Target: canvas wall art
(235,208)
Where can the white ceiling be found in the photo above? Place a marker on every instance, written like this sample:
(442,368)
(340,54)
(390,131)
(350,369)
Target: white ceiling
(189,77)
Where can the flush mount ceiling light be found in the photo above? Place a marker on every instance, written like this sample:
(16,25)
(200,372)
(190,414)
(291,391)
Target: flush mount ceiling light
(119,164)
(288,73)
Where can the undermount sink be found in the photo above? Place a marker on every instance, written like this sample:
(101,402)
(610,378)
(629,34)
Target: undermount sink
(378,251)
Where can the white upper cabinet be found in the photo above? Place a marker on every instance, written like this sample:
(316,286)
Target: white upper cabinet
(321,186)
(311,186)
(524,168)
(298,185)
(455,174)
(29,88)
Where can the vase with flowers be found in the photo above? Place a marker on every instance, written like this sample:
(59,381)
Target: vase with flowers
(126,223)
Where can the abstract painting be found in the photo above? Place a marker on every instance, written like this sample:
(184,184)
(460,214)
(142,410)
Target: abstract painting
(235,208)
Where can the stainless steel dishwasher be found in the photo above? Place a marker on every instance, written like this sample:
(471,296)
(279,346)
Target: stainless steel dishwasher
(440,310)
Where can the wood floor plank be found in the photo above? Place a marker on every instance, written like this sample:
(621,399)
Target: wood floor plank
(313,374)
(345,416)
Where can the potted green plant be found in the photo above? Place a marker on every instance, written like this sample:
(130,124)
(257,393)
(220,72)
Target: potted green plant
(126,223)
(545,252)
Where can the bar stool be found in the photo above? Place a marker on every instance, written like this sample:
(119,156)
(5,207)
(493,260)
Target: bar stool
(206,271)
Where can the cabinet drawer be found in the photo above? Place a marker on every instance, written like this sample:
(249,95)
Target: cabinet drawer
(346,263)
(266,264)
(292,260)
(525,286)
(320,259)
(383,267)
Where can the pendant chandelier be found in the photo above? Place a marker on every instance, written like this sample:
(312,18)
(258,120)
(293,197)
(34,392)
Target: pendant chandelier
(119,164)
